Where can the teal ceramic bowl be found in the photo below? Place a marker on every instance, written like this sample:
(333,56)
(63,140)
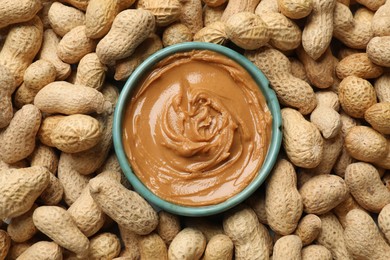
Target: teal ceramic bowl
(269,161)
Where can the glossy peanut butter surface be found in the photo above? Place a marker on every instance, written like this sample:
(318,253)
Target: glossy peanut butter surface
(197,129)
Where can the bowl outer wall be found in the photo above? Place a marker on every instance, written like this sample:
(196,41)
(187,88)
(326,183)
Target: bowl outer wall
(270,158)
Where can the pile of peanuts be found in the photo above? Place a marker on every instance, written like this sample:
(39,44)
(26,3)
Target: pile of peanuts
(63,194)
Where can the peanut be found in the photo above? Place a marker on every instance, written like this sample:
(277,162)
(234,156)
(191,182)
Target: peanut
(366,187)
(266,7)
(165,12)
(358,65)
(76,133)
(168,226)
(22,228)
(128,30)
(191,15)
(295,9)
(331,151)
(17,12)
(214,3)
(125,67)
(56,223)
(317,34)
(5,244)
(383,221)
(247,30)
(66,98)
(8,85)
(236,6)
(48,52)
(363,238)
(188,244)
(308,229)
(42,250)
(104,245)
(212,14)
(302,140)
(17,141)
(281,197)
(290,90)
(80,4)
(380,21)
(287,247)
(176,33)
(213,33)
(220,247)
(152,247)
(257,203)
(382,88)
(344,207)
(91,72)
(208,227)
(126,207)
(378,50)
(378,116)
(332,237)
(130,241)
(20,188)
(316,252)
(243,228)
(371,4)
(64,18)
(21,45)
(45,156)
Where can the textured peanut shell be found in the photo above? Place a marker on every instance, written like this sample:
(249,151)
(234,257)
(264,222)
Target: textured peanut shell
(371,4)
(125,67)
(302,140)
(319,71)
(257,202)
(168,226)
(104,245)
(318,31)
(20,188)
(342,17)
(358,65)
(382,88)
(378,50)
(53,193)
(39,74)
(87,215)
(297,69)
(381,20)
(384,221)
(8,85)
(124,206)
(322,193)
(22,228)
(239,6)
(378,116)
(152,246)
(283,203)
(331,237)
(16,12)
(295,9)
(129,29)
(247,30)
(80,4)
(42,250)
(130,241)
(64,18)
(57,224)
(220,247)
(316,252)
(5,244)
(191,15)
(287,247)
(76,133)
(20,47)
(189,243)
(356,96)
(45,156)
(48,52)
(243,228)
(23,96)
(344,207)
(18,248)
(214,3)
(266,7)
(176,33)
(165,11)
(366,187)
(308,229)
(91,72)
(213,33)
(72,181)
(291,91)
(363,238)
(284,33)
(212,14)
(46,128)
(66,98)
(208,227)
(17,141)
(365,144)
(74,45)
(358,35)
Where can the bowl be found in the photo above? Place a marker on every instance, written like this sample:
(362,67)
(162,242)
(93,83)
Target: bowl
(271,156)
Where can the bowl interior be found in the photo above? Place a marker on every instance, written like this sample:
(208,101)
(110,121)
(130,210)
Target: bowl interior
(270,158)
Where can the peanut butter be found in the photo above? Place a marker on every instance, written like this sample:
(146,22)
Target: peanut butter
(197,129)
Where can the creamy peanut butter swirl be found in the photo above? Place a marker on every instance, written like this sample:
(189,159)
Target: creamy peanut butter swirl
(197,129)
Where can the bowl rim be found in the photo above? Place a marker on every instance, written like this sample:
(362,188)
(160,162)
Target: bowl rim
(269,161)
